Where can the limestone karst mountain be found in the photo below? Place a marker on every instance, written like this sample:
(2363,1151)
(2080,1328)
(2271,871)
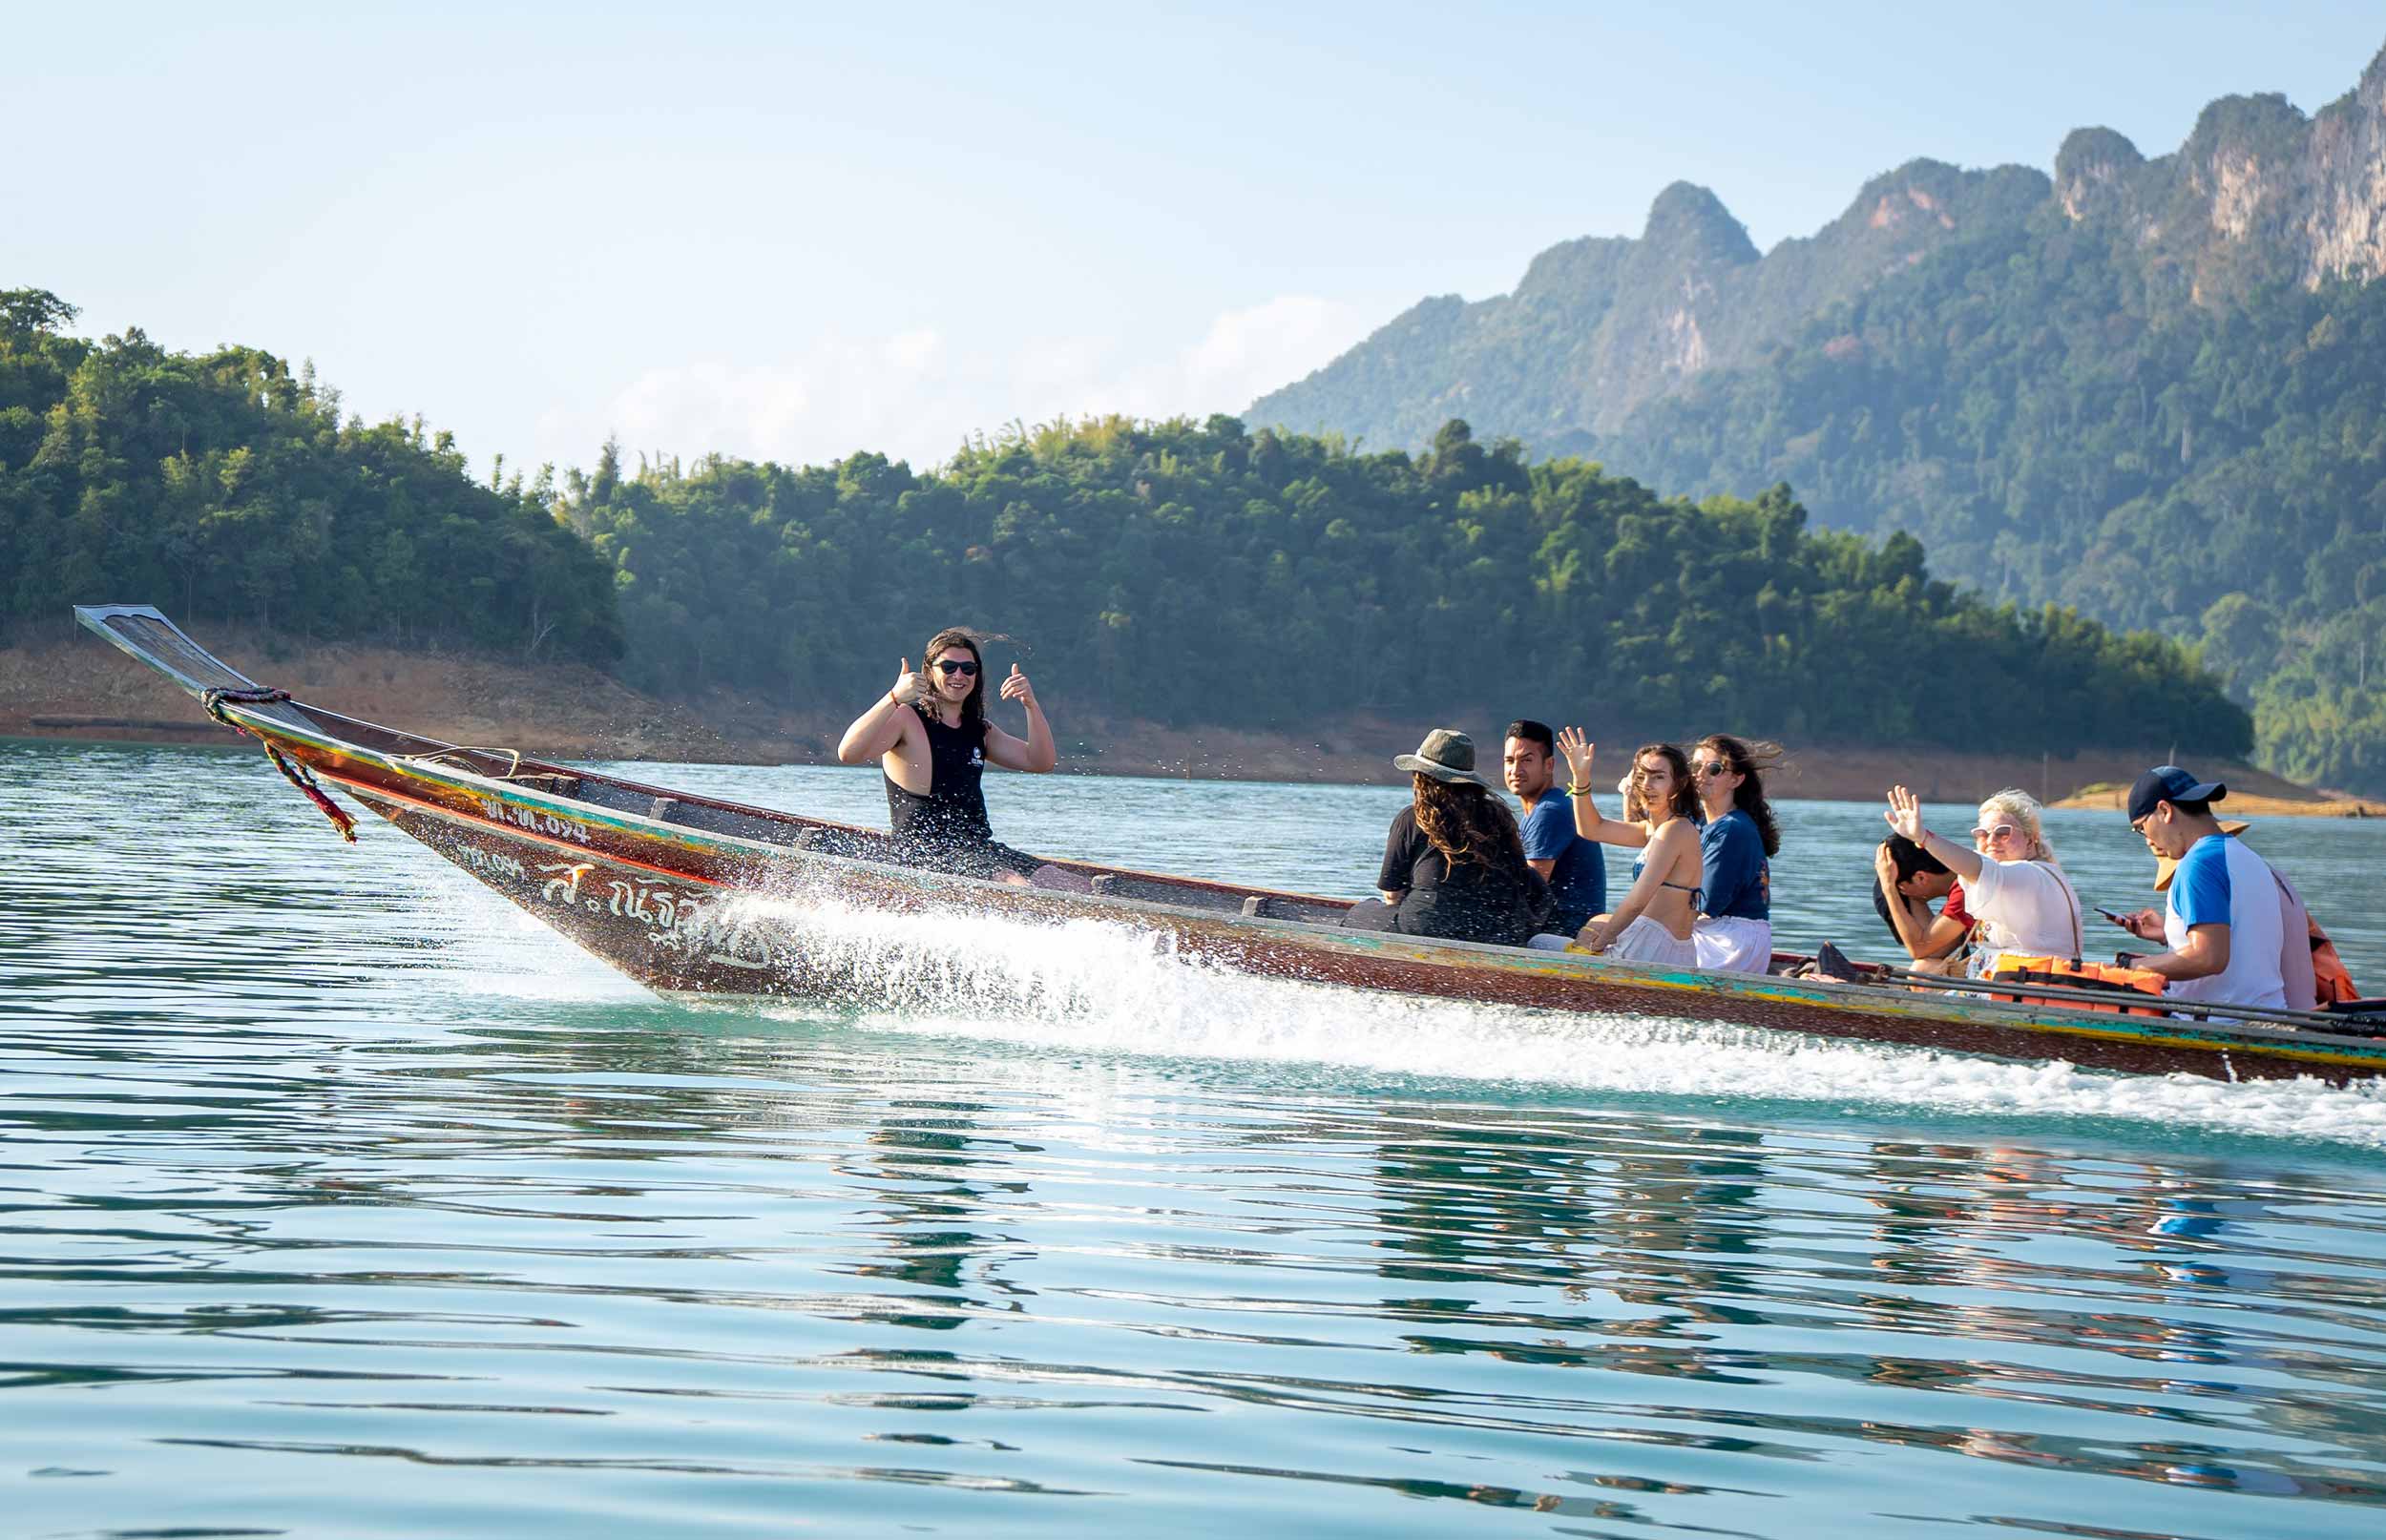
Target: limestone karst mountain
(2153,389)
(1599,326)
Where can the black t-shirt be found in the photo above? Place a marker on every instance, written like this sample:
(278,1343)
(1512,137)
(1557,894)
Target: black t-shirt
(1468,902)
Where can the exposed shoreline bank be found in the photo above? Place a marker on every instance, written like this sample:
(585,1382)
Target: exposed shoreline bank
(80,688)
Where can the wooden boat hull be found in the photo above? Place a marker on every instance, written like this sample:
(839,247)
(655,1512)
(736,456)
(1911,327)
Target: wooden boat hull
(690,894)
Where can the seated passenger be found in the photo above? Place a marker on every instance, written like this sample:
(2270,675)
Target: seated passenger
(1453,862)
(1905,879)
(1575,867)
(1653,924)
(931,739)
(2015,891)
(2315,976)
(2222,919)
(1735,931)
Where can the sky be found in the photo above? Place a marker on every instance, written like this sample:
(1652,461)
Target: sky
(789,231)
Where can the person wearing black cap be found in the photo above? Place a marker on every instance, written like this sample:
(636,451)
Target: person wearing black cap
(2221,916)
(1453,862)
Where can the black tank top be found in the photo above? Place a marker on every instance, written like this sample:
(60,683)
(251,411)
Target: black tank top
(954,812)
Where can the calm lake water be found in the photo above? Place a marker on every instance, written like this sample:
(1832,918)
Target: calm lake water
(343,1200)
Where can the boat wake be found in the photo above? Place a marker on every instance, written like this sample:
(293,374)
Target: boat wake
(1088,986)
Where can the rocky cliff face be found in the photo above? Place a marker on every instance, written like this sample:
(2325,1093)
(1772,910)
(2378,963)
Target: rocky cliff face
(2344,225)
(1600,326)
(2259,193)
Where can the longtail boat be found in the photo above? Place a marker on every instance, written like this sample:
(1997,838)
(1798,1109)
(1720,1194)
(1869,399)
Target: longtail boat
(690,893)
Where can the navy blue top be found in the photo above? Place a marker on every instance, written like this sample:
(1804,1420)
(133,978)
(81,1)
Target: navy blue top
(1738,880)
(1577,882)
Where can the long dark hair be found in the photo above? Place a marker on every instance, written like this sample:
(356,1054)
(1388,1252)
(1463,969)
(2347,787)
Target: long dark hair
(1751,761)
(1465,823)
(1685,792)
(973,705)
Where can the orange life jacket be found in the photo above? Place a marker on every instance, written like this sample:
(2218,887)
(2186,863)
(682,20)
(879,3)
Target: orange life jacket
(2071,973)
(2330,980)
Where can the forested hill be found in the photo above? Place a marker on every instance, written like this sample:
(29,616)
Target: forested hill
(1194,574)
(2154,390)
(226,485)
(1206,574)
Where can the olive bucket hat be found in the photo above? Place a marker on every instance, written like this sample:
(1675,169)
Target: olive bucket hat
(1446,755)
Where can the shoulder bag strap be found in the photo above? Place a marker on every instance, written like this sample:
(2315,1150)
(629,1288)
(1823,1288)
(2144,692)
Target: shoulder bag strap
(2078,942)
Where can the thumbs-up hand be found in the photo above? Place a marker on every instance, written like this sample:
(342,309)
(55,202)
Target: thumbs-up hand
(1017,688)
(908,687)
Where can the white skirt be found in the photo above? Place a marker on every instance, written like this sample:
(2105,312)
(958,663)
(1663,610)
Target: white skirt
(1645,940)
(1730,945)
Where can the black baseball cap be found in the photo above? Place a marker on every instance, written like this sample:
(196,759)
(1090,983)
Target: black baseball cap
(2169,783)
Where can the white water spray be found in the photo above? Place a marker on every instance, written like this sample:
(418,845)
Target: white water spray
(1096,986)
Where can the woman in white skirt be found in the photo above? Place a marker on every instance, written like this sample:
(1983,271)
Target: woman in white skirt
(1652,925)
(1735,924)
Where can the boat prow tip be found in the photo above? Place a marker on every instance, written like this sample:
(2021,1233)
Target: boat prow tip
(145,631)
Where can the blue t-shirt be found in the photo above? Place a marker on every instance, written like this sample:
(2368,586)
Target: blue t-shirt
(2220,882)
(1577,883)
(1738,881)
(2201,891)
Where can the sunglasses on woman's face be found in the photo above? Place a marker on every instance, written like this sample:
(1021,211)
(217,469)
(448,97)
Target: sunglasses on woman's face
(2002,831)
(1710,770)
(957,665)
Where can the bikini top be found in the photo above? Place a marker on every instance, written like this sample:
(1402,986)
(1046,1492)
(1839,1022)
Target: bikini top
(1698,894)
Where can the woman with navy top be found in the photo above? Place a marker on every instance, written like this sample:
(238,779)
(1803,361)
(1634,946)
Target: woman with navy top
(1734,933)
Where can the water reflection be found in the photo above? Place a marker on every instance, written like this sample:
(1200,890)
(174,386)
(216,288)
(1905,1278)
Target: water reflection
(1672,1256)
(924,1158)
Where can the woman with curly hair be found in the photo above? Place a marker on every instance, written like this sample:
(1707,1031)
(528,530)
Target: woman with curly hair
(1453,861)
(1653,924)
(1735,932)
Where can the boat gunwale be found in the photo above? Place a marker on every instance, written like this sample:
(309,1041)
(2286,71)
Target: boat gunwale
(2176,1033)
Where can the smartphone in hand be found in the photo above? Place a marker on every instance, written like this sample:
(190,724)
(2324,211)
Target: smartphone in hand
(2121,920)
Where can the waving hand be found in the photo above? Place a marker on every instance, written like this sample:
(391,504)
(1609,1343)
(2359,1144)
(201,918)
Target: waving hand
(1579,752)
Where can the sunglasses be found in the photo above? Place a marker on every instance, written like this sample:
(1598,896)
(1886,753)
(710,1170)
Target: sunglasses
(1710,769)
(957,665)
(2002,831)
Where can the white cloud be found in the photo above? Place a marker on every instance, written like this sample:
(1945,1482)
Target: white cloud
(1248,353)
(917,394)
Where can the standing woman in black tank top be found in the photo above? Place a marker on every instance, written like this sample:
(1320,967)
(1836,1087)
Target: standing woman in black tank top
(931,738)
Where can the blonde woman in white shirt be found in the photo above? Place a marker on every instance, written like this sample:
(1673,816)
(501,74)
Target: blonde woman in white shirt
(2012,883)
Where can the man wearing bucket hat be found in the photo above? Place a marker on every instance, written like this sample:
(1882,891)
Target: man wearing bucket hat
(2222,919)
(1453,861)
